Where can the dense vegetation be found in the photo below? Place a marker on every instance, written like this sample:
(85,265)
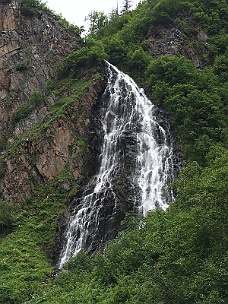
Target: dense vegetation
(174,256)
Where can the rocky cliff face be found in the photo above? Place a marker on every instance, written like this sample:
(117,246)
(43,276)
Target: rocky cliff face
(41,156)
(30,48)
(171,40)
(37,144)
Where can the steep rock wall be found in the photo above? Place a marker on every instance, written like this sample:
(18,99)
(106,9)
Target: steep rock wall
(35,150)
(171,40)
(39,158)
(30,48)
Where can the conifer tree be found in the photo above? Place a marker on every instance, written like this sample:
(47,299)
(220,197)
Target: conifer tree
(127,4)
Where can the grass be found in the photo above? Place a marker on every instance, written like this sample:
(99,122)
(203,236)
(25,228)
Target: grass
(26,250)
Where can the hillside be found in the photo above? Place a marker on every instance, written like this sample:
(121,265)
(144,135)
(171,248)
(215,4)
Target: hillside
(51,86)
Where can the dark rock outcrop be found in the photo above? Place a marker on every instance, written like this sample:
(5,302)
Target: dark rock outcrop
(172,41)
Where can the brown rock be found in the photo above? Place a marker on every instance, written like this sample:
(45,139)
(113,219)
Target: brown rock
(30,49)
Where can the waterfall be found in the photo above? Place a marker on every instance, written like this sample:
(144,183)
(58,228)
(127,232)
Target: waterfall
(135,167)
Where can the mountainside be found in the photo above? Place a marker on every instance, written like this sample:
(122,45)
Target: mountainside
(51,86)
(31,48)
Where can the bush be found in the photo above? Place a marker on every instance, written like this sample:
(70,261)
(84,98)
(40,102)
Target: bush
(3,140)
(220,67)
(29,7)
(25,109)
(6,216)
(117,50)
(21,113)
(193,100)
(21,66)
(87,57)
(35,98)
(138,61)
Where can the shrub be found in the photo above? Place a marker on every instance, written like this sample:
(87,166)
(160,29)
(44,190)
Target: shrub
(89,56)
(29,7)
(116,48)
(6,216)
(21,66)
(35,98)
(138,61)
(25,109)
(192,99)
(21,113)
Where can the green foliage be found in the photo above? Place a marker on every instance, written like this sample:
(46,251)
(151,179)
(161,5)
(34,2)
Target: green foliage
(114,25)
(25,109)
(167,10)
(21,113)
(50,86)
(138,61)
(2,168)
(29,7)
(193,99)
(177,256)
(7,218)
(126,5)
(220,67)
(75,89)
(89,56)
(211,14)
(36,98)
(97,20)
(25,251)
(3,140)
(21,67)
(116,49)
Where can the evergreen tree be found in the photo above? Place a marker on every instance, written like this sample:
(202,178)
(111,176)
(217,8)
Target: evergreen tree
(127,4)
(96,20)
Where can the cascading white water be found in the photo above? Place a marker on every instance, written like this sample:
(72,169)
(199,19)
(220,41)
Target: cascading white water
(125,110)
(154,166)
